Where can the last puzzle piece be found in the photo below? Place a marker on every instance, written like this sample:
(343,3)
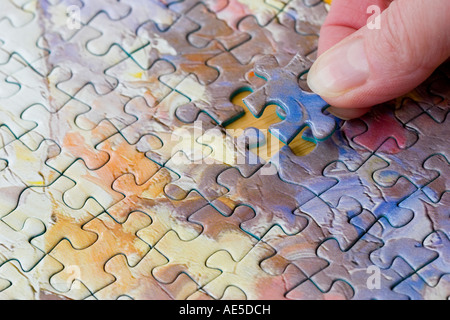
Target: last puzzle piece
(282,88)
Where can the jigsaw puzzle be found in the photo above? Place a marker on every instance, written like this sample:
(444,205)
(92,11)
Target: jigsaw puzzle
(119,179)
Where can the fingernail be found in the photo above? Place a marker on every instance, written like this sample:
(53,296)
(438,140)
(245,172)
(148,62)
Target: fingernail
(340,69)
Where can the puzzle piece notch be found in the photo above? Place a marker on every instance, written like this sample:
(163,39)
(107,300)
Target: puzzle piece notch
(16,13)
(288,247)
(431,98)
(189,254)
(438,241)
(199,172)
(302,108)
(382,284)
(34,284)
(234,11)
(97,112)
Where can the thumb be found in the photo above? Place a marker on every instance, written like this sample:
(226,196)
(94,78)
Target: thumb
(374,65)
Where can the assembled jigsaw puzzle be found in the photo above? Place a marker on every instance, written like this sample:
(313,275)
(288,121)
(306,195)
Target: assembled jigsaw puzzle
(119,179)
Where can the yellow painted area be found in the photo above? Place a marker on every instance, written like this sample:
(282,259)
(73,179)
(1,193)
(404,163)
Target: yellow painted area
(138,75)
(299,146)
(327,1)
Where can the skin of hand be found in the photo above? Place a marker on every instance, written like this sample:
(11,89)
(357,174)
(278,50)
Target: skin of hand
(373,51)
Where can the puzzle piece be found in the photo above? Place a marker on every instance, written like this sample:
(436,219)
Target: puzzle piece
(243,273)
(97,112)
(108,231)
(307,290)
(16,13)
(298,249)
(234,10)
(308,15)
(275,38)
(119,181)
(83,66)
(338,259)
(123,31)
(114,9)
(18,286)
(381,202)
(431,98)
(16,245)
(172,45)
(211,28)
(307,170)
(215,99)
(383,126)
(190,256)
(33,89)
(142,81)
(336,221)
(123,158)
(73,142)
(427,248)
(438,212)
(273,200)
(138,283)
(416,289)
(385,286)
(166,214)
(438,242)
(14,176)
(409,163)
(23,20)
(45,204)
(200,173)
(302,108)
(438,186)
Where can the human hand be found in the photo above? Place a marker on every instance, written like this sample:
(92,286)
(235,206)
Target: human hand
(366,59)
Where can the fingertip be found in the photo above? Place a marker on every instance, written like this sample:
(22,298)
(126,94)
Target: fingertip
(348,113)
